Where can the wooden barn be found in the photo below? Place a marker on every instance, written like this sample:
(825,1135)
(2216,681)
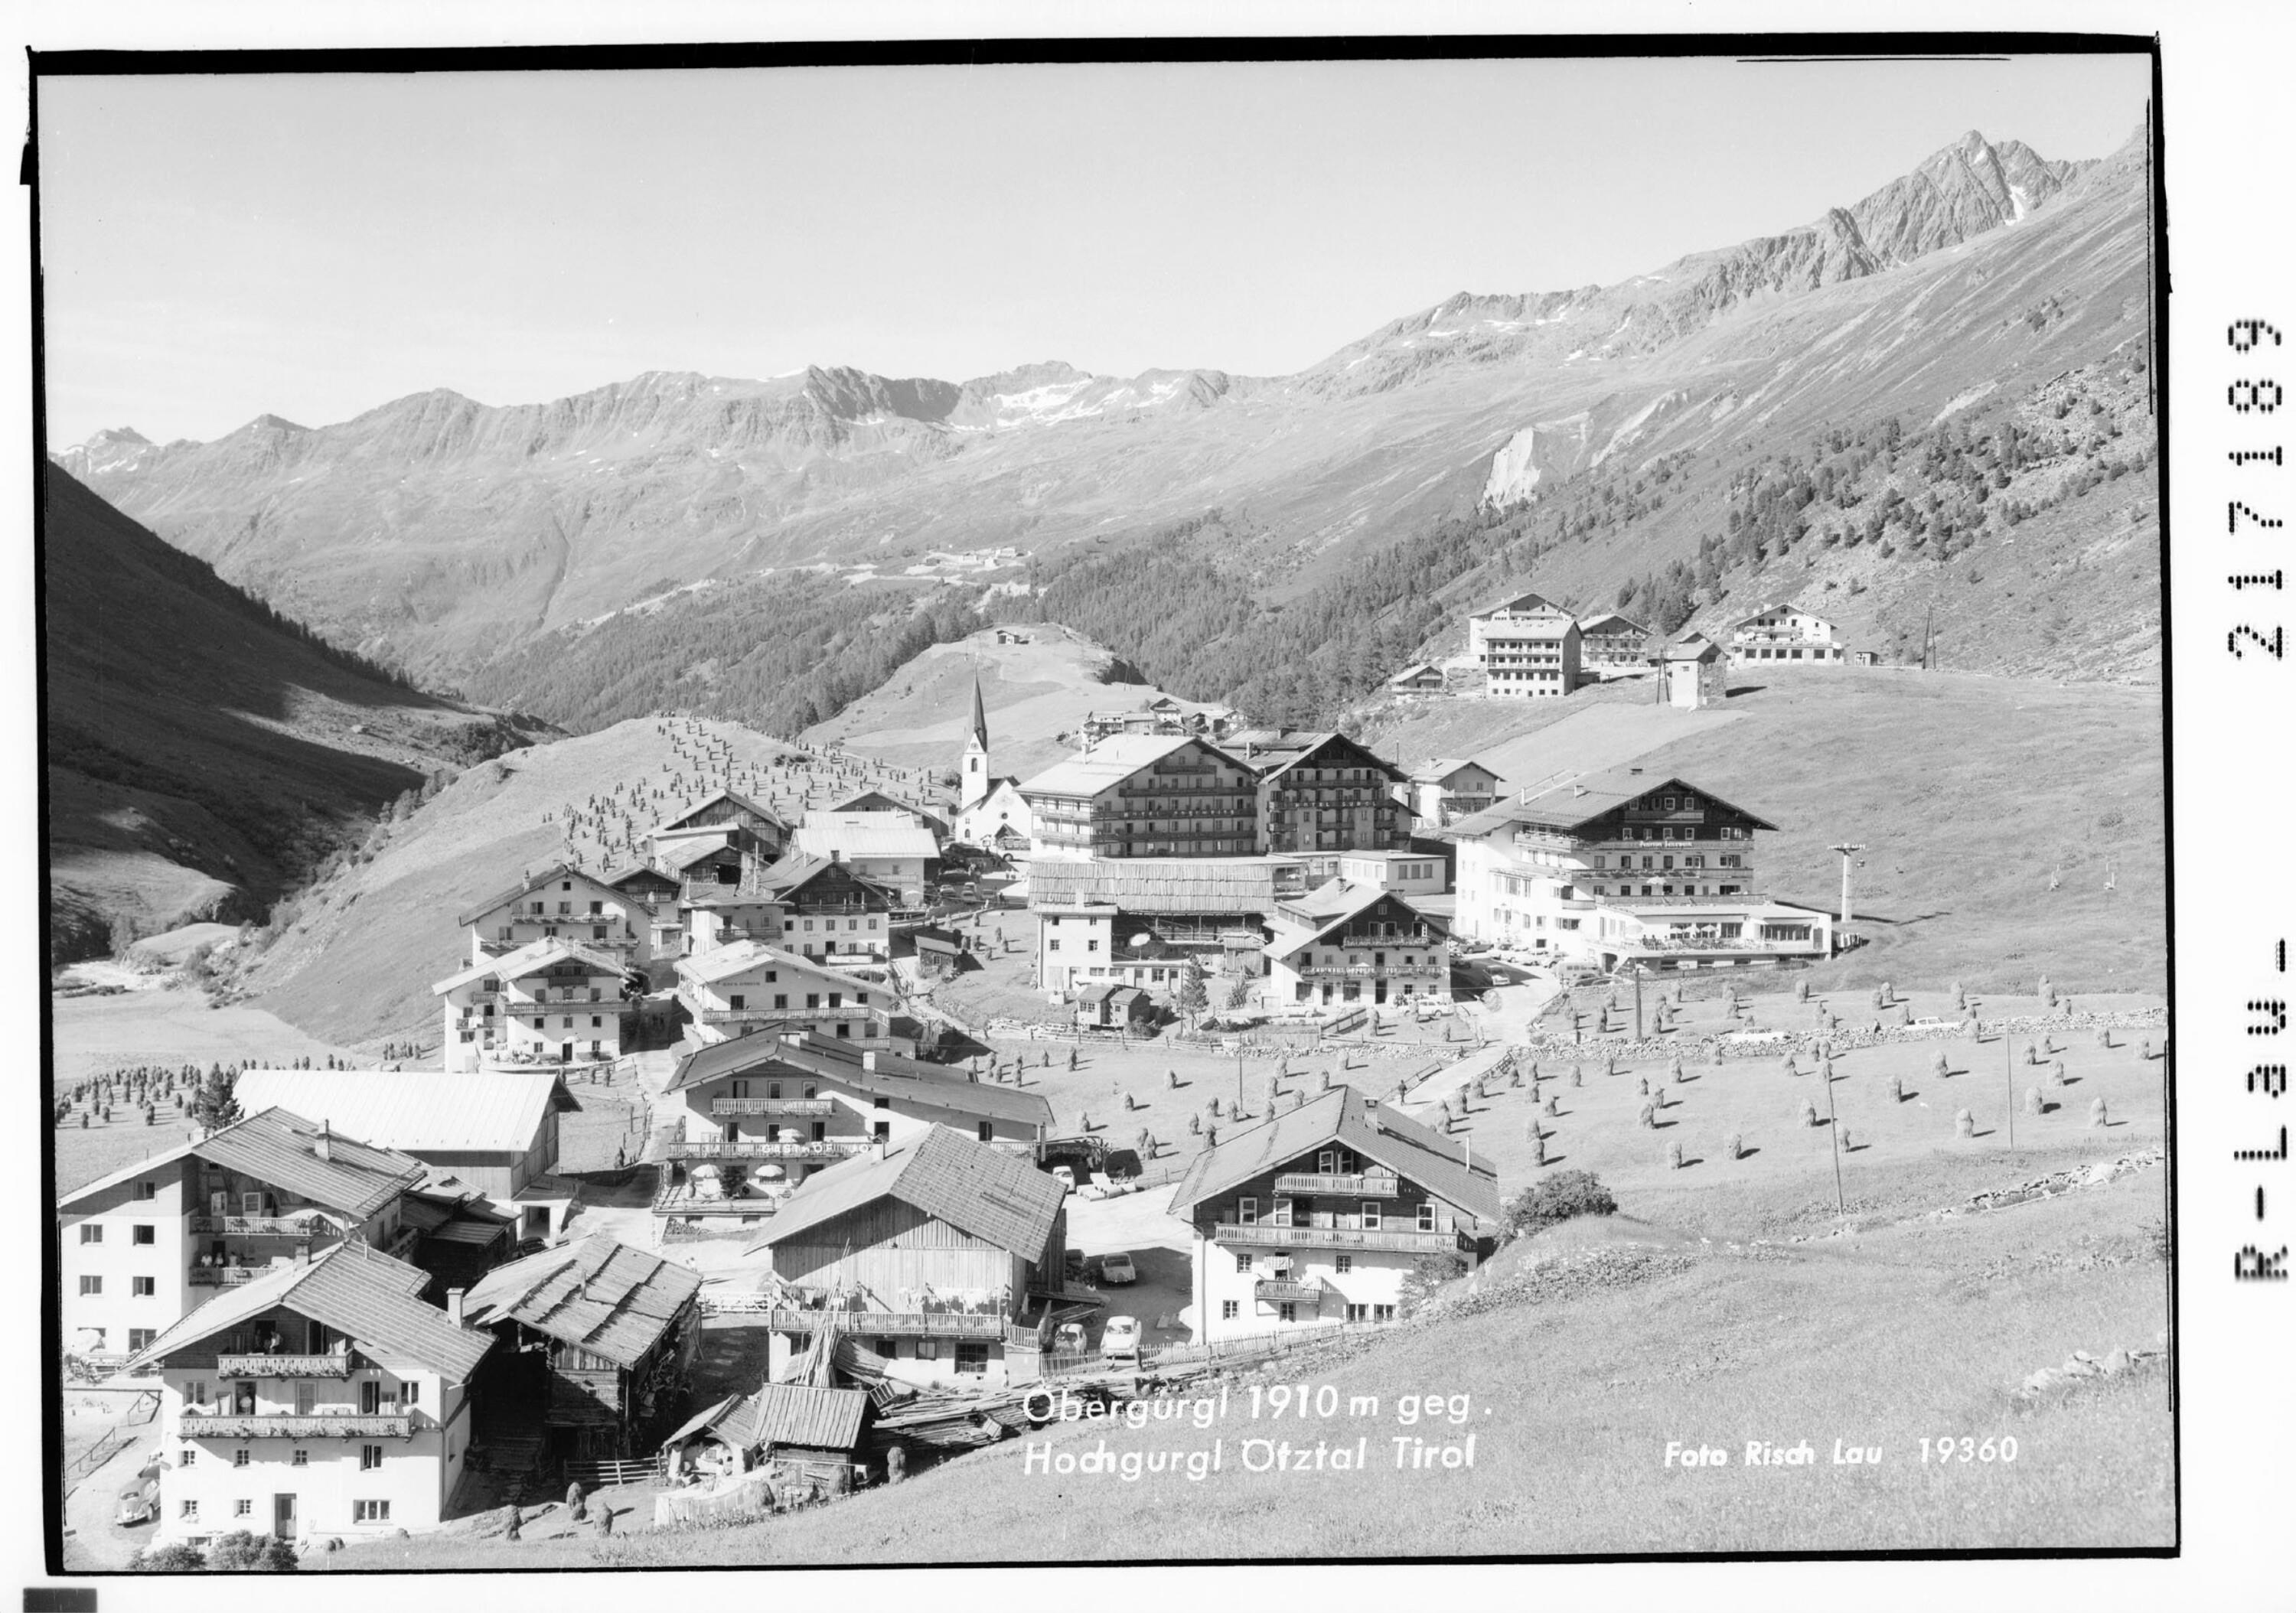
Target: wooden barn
(600,1340)
(811,1433)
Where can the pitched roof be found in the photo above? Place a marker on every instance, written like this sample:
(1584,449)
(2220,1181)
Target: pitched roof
(930,1085)
(876,800)
(1330,906)
(529,959)
(1692,647)
(638,871)
(865,834)
(1111,762)
(353,1289)
(556,871)
(1270,752)
(743,802)
(719,962)
(1572,803)
(796,1414)
(1153,885)
(1609,621)
(1551,618)
(1772,610)
(980,730)
(275,1146)
(415,1110)
(997,1197)
(1343,1116)
(1521,602)
(796,869)
(598,1295)
(1437,770)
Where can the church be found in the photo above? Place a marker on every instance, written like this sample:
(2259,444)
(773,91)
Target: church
(990,813)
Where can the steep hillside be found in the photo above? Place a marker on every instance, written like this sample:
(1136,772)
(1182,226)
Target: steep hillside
(203,751)
(441,533)
(1036,694)
(2011,827)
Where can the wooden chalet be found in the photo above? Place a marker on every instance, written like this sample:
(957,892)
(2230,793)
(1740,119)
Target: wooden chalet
(598,1340)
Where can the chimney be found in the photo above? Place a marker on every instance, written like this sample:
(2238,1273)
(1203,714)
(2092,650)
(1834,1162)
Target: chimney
(455,1307)
(325,1146)
(836,855)
(302,1254)
(868,1058)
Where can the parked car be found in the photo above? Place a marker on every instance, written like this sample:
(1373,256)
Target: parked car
(1118,1269)
(1120,1340)
(1068,1339)
(139,1502)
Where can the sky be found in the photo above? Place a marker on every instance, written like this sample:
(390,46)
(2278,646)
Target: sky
(215,248)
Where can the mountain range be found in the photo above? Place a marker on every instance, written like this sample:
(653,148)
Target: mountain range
(443,536)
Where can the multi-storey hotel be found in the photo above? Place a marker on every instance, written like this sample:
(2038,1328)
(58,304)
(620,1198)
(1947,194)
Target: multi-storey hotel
(1321,791)
(1784,634)
(1528,648)
(1620,866)
(1144,796)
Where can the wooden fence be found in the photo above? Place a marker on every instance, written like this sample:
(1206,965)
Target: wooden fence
(591,1474)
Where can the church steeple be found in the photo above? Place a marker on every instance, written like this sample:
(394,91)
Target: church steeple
(972,774)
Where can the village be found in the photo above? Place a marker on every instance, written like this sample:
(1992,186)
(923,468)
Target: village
(789,1132)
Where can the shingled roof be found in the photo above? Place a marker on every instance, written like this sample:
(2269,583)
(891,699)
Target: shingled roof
(1000,1198)
(1342,1115)
(597,1295)
(1571,803)
(353,1289)
(280,1148)
(928,1086)
(1156,885)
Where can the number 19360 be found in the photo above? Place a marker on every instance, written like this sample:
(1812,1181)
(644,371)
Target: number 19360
(1969,1449)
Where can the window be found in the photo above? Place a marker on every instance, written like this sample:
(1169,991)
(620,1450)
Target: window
(301,1458)
(972,1359)
(1053,944)
(191,1455)
(1382,1313)
(91,1231)
(1227,1310)
(144,1231)
(91,1285)
(1247,1212)
(242,1508)
(147,1190)
(987,1131)
(1280,1214)
(139,1337)
(1287,1312)
(1358,1312)
(813,999)
(1426,1218)
(1092,946)
(1244,1263)
(144,1288)
(781,999)
(240,1457)
(837,999)
(191,1509)
(196,1392)
(370,1511)
(1343,1263)
(370,1458)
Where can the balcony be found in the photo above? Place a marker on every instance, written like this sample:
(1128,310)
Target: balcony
(236,1425)
(1286,1291)
(224,1276)
(772,1106)
(266,1226)
(892,1324)
(1362,1185)
(1400,1240)
(284,1366)
(718,1148)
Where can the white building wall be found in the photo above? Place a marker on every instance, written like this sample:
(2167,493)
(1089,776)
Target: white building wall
(116,1260)
(1373,1281)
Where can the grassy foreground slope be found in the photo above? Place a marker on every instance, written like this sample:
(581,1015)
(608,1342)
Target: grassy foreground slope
(1993,812)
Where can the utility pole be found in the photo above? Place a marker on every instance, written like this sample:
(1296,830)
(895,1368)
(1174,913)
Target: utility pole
(2009,1087)
(1638,1002)
(1834,1139)
(1846,850)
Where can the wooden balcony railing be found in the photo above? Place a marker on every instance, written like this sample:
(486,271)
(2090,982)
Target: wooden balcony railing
(237,1425)
(772,1106)
(338,1365)
(267,1226)
(1286,1291)
(1406,1241)
(221,1276)
(1362,1185)
(716,1149)
(929,1325)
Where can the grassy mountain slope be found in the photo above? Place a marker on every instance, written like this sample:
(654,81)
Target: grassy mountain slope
(1993,810)
(1036,695)
(203,752)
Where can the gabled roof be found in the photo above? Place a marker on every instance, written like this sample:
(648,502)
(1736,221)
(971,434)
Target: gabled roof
(1271,752)
(1553,619)
(415,1110)
(637,873)
(530,959)
(1521,602)
(598,1295)
(1573,803)
(1413,670)
(798,869)
(1438,770)
(873,800)
(997,1197)
(1111,761)
(556,871)
(1772,610)
(928,1086)
(783,1414)
(1154,885)
(865,834)
(1108,991)
(683,855)
(352,1290)
(1342,1115)
(1330,906)
(1610,621)
(719,962)
(1692,647)
(277,1146)
(743,802)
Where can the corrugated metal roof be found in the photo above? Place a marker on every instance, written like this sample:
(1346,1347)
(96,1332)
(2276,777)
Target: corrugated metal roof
(877,800)
(865,834)
(1111,762)
(534,957)
(1341,1116)
(354,1290)
(998,1197)
(415,1110)
(278,1146)
(599,1295)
